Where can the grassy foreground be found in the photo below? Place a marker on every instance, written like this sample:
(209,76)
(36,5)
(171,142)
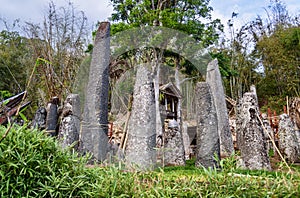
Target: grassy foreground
(33,165)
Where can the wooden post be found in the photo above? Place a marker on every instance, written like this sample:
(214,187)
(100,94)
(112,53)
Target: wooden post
(287,105)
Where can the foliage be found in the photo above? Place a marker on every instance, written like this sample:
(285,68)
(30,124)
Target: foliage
(263,52)
(14,61)
(181,15)
(280,52)
(275,103)
(33,165)
(60,40)
(4,95)
(190,17)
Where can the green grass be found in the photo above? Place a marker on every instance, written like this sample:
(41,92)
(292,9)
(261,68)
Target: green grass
(33,165)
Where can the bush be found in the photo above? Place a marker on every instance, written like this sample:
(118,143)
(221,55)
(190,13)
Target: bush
(32,164)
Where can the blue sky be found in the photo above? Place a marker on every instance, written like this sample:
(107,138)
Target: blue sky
(99,10)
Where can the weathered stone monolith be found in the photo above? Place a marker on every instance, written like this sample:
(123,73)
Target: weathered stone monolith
(173,149)
(269,133)
(52,116)
(294,113)
(186,140)
(39,120)
(287,139)
(208,142)
(140,148)
(214,80)
(94,126)
(251,139)
(70,123)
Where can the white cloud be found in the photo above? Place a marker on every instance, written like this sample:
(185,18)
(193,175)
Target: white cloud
(33,10)
(100,10)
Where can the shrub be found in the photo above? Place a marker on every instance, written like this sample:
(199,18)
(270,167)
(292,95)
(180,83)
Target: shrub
(32,164)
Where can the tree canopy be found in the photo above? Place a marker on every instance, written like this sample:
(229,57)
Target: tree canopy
(191,17)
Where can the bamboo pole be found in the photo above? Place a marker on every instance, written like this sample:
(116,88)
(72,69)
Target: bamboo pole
(124,137)
(287,105)
(273,142)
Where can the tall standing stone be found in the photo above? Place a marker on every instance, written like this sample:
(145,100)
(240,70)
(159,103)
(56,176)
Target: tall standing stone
(70,124)
(288,144)
(52,116)
(208,142)
(294,114)
(94,126)
(141,142)
(214,80)
(251,139)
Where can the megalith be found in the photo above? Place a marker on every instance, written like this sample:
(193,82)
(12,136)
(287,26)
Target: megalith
(269,133)
(251,139)
(40,117)
(52,116)
(287,139)
(208,141)
(214,80)
(94,125)
(173,147)
(141,138)
(70,122)
(186,140)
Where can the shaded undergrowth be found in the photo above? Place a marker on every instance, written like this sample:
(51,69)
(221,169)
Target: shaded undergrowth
(33,165)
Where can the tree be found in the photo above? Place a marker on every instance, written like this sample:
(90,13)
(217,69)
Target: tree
(280,57)
(60,41)
(182,15)
(14,61)
(277,49)
(263,52)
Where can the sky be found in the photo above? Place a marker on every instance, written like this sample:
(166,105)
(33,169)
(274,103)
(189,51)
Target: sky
(100,10)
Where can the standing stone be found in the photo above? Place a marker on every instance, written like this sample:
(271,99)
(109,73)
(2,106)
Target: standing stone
(186,140)
(253,90)
(173,145)
(269,133)
(52,116)
(294,108)
(208,142)
(295,115)
(214,80)
(251,139)
(141,142)
(288,144)
(94,126)
(40,117)
(70,125)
